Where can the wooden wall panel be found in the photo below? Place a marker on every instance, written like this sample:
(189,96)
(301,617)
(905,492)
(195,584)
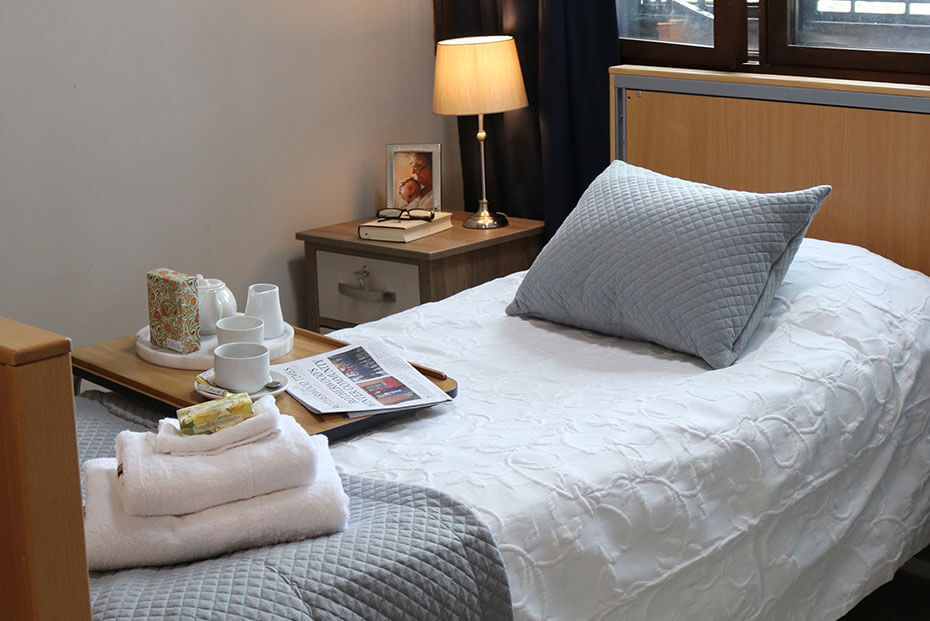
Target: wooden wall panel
(876,160)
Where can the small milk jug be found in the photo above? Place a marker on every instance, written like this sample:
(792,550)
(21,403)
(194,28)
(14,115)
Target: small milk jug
(264,302)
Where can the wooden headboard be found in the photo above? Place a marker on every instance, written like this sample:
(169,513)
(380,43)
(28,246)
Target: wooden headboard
(766,133)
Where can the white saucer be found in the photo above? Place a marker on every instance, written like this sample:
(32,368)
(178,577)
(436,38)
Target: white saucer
(203,357)
(210,391)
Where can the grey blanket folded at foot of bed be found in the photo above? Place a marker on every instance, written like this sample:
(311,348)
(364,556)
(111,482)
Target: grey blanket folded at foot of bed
(408,553)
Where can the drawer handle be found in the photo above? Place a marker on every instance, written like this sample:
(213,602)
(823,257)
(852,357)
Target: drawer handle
(362,292)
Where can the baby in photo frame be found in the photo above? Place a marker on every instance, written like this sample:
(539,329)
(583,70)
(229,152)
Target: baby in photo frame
(411,195)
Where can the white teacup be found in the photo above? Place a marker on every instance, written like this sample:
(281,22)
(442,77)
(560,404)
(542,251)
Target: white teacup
(241,367)
(240,329)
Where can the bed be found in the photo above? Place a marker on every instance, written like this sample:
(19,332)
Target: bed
(770,489)
(624,479)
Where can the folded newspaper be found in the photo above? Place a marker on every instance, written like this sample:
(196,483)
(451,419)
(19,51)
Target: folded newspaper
(358,380)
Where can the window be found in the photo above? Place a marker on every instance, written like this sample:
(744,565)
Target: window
(848,38)
(688,21)
(863,24)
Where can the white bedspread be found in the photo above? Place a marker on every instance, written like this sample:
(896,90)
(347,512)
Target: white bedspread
(622,480)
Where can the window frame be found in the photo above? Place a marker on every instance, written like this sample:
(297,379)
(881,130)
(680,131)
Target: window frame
(775,54)
(727,41)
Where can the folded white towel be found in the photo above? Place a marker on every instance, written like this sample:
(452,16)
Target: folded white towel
(115,540)
(153,483)
(263,423)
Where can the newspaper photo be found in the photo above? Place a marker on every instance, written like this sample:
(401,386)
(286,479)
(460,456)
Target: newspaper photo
(358,380)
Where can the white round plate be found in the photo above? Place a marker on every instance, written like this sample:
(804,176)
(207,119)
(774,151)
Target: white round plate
(210,391)
(203,357)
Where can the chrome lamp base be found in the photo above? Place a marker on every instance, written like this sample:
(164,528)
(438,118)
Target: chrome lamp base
(484,219)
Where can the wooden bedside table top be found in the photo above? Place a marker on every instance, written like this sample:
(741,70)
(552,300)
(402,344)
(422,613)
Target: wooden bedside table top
(114,364)
(456,240)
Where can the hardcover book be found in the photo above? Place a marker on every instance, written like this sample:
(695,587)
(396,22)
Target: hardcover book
(405,230)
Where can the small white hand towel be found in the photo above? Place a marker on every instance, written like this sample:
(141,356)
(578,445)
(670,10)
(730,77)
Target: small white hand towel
(263,423)
(153,483)
(115,540)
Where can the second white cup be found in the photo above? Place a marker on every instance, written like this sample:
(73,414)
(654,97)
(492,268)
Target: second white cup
(240,329)
(241,367)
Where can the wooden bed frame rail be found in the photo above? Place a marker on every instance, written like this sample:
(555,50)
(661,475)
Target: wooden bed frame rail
(44,568)
(768,133)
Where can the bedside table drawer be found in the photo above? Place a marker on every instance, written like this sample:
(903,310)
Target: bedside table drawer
(357,289)
(404,275)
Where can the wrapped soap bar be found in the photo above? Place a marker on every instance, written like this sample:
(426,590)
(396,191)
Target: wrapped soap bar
(211,416)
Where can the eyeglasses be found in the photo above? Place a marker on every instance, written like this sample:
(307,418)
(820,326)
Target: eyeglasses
(405,214)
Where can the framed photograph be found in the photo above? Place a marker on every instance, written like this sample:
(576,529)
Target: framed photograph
(414,176)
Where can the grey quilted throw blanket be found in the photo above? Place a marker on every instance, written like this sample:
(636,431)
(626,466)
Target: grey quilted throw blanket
(409,553)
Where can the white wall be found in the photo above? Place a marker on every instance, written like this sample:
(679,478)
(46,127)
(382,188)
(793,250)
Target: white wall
(198,135)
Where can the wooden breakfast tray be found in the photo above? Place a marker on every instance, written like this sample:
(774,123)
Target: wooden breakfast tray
(115,365)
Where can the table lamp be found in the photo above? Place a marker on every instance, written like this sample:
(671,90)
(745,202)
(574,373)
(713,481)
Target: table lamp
(478,75)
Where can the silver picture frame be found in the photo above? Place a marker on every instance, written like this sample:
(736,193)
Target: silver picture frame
(413,175)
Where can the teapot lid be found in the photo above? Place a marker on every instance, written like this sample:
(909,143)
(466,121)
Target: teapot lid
(208,283)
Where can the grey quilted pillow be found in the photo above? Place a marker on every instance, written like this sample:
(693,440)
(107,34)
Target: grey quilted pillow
(653,258)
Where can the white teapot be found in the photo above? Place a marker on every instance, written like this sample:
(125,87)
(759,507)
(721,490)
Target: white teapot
(214,301)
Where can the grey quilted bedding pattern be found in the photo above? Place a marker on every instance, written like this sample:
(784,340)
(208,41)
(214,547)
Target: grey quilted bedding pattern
(409,553)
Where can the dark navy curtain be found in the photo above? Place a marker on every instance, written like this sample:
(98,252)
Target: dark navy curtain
(541,158)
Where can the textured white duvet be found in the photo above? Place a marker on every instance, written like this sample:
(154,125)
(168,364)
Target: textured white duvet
(622,480)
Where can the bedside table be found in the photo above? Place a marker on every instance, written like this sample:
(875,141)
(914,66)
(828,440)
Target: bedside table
(351,280)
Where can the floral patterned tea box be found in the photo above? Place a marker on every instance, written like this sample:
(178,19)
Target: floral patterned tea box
(174,320)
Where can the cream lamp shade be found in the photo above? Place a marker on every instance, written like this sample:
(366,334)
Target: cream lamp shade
(479,75)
